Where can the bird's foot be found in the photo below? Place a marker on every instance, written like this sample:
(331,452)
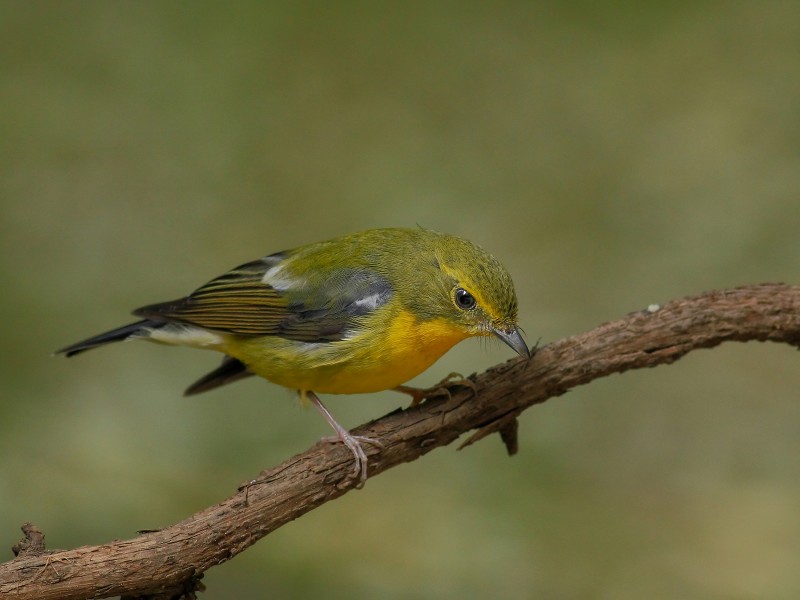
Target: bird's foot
(418,394)
(352,442)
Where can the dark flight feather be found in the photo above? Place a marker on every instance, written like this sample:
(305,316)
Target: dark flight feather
(229,371)
(239,302)
(115,335)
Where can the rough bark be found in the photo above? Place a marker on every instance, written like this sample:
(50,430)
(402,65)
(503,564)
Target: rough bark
(169,563)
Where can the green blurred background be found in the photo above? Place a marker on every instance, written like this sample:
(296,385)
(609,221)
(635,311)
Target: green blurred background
(612,155)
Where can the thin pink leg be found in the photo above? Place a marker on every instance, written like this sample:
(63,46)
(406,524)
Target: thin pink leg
(353,442)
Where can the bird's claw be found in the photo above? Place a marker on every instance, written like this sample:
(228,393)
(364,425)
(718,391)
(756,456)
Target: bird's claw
(418,394)
(353,443)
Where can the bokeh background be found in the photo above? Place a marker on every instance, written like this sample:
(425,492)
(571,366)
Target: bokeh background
(612,155)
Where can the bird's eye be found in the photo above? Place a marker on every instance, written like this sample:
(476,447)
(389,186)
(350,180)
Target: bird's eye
(464,300)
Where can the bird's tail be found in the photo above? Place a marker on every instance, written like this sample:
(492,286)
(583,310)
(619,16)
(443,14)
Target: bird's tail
(138,329)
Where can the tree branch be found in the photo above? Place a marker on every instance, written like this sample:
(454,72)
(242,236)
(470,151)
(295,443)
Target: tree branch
(169,563)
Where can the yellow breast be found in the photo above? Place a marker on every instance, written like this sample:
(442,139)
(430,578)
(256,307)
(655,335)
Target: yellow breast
(381,356)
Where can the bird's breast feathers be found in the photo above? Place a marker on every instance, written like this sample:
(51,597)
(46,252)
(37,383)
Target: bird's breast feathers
(381,355)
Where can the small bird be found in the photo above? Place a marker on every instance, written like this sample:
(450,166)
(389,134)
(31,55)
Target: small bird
(360,313)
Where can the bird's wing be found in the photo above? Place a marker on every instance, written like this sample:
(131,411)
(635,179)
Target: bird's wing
(248,301)
(229,371)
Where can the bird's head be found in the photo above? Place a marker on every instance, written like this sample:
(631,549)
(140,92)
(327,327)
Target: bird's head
(475,292)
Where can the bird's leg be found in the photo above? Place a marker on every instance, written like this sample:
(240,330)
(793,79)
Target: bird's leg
(353,442)
(418,395)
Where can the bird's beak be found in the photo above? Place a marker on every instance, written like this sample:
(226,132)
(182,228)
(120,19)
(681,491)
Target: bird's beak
(514,339)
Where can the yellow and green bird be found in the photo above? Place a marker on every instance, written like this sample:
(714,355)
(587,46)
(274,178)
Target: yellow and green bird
(360,313)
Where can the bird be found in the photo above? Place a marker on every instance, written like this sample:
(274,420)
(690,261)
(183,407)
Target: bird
(360,313)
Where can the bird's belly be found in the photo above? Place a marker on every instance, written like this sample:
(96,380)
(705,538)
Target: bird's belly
(373,374)
(369,362)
